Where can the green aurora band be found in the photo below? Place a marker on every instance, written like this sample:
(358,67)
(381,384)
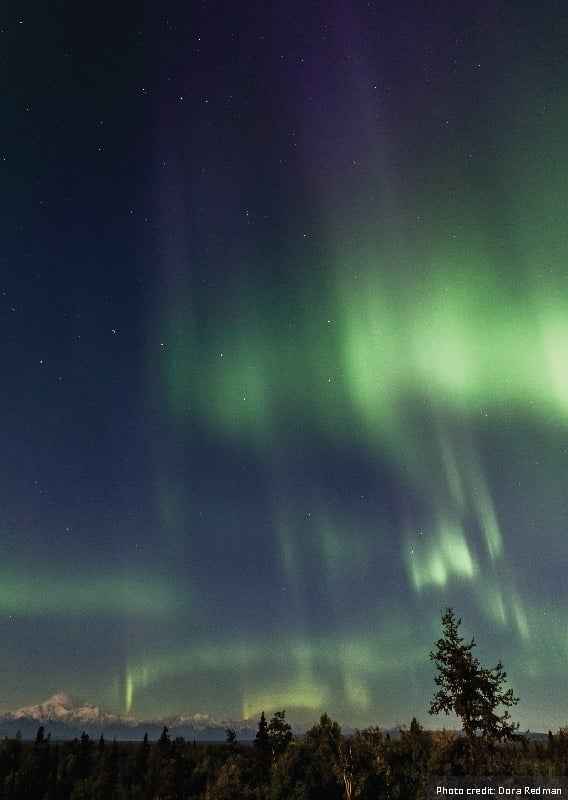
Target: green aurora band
(410,352)
(403,372)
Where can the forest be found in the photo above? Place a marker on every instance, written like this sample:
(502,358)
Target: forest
(321,765)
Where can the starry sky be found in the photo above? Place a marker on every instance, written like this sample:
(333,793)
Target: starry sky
(284,354)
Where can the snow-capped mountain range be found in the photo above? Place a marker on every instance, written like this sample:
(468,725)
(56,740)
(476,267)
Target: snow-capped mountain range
(58,708)
(64,720)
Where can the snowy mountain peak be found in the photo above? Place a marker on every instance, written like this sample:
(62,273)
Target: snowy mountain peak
(63,720)
(58,707)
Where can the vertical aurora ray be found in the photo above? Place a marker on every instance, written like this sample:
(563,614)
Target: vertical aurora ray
(129,693)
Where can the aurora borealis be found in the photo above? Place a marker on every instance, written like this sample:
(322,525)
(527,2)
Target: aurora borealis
(285,355)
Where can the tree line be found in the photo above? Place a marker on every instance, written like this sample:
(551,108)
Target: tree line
(321,765)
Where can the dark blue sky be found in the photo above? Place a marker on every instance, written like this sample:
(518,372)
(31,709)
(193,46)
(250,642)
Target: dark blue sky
(284,354)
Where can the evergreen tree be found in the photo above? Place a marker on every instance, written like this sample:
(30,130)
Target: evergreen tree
(40,736)
(141,761)
(472,692)
(262,739)
(164,741)
(37,766)
(84,753)
(263,749)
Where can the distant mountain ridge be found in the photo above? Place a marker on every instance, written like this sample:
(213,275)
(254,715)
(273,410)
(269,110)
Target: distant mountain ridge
(59,708)
(63,720)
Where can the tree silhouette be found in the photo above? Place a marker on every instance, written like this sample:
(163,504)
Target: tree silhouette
(263,748)
(471,691)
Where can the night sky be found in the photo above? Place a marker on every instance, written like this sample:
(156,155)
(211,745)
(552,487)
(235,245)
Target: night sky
(284,354)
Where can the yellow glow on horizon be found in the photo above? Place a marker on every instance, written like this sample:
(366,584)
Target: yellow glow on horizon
(299,695)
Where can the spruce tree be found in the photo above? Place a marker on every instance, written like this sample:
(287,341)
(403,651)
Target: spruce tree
(263,749)
(471,691)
